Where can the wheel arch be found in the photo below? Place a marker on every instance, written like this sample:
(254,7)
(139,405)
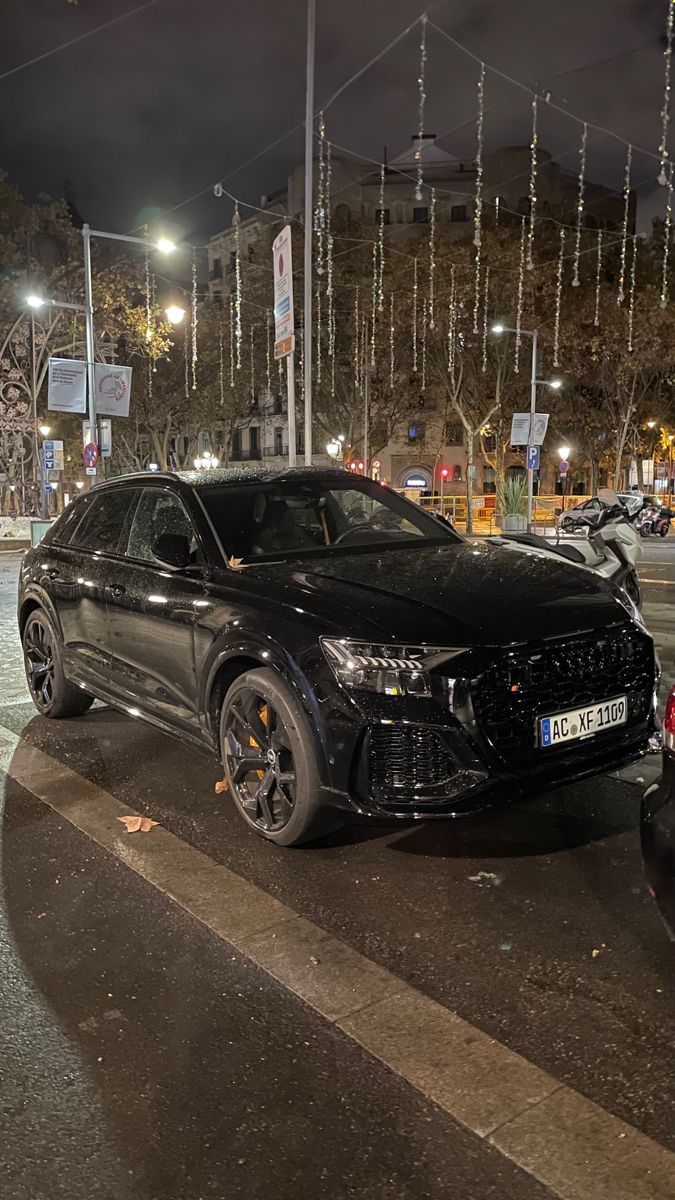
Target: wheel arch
(234,661)
(33,601)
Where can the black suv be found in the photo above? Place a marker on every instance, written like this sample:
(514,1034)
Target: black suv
(337,648)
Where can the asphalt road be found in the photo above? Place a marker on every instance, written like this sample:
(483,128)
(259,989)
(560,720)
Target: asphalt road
(534,926)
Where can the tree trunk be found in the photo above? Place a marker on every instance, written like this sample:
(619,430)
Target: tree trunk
(625,425)
(468,437)
(594,475)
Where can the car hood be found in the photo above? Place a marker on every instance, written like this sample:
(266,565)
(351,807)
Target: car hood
(459,594)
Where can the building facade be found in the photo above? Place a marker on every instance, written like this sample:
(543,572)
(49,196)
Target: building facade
(413,455)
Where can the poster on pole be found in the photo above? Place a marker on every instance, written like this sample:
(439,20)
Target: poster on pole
(520,429)
(284,320)
(67,385)
(113,390)
(522,434)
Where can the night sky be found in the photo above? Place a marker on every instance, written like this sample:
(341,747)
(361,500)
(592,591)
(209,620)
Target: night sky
(143,115)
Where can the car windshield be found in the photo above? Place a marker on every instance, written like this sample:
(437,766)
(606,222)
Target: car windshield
(294,518)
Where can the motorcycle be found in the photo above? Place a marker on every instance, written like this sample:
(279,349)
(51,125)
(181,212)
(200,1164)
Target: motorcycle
(611,549)
(662,522)
(645,520)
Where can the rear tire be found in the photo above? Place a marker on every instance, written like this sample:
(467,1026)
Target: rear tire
(663,531)
(52,694)
(268,753)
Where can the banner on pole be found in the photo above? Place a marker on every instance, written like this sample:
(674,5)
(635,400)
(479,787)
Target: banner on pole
(112,385)
(284,318)
(67,385)
(528,429)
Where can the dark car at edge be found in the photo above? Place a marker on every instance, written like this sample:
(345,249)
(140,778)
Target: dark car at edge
(339,650)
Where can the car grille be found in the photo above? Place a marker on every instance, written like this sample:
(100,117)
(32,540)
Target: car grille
(539,679)
(406,761)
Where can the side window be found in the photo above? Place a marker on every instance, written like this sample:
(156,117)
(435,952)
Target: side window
(159,512)
(104,520)
(61,532)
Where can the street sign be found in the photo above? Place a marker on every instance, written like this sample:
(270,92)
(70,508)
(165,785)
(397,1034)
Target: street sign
(284,316)
(533,458)
(90,454)
(564,466)
(67,385)
(90,470)
(539,427)
(112,385)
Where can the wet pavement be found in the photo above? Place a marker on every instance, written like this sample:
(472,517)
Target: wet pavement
(533,925)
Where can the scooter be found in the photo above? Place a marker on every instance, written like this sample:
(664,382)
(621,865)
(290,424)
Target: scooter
(645,520)
(662,521)
(611,549)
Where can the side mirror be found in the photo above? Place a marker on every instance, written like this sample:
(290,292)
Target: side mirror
(557,512)
(172,550)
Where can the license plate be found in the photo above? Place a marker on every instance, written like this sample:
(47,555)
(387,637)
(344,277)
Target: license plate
(582,722)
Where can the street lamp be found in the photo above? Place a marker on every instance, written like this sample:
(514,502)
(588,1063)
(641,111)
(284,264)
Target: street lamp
(206,462)
(163,244)
(563,454)
(498,328)
(333,448)
(444,476)
(45,430)
(174,313)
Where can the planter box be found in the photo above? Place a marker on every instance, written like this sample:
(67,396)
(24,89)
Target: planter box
(513,523)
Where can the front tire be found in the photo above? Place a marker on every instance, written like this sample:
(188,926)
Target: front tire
(268,753)
(52,694)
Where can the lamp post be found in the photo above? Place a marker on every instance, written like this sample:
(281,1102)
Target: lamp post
(164,245)
(555,384)
(564,454)
(444,476)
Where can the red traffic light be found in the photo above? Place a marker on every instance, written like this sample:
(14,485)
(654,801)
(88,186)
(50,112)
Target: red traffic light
(445,472)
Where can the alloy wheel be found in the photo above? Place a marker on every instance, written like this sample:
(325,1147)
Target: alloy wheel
(259,761)
(39,661)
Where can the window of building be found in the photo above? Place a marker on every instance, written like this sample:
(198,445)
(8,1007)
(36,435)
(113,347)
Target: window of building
(236,444)
(278,404)
(416,431)
(489,480)
(420,216)
(342,217)
(217,298)
(458,212)
(233,260)
(278,440)
(254,441)
(217,268)
(524,205)
(381,213)
(457,473)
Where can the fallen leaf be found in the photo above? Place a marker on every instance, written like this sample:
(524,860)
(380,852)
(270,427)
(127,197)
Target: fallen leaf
(595,953)
(485,877)
(222,786)
(237,564)
(41,915)
(137,824)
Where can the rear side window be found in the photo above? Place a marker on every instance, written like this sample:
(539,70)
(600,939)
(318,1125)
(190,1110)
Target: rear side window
(62,530)
(159,512)
(104,521)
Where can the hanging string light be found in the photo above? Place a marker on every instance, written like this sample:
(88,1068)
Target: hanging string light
(357,333)
(452,317)
(533,185)
(320,210)
(486,300)
(253,397)
(148,300)
(329,258)
(380,235)
(221,364)
(391,341)
(421,98)
(667,222)
(153,305)
(476,290)
(424,344)
(519,305)
(373,306)
(478,209)
(580,204)
(414,318)
(598,271)
(432,257)
(269,355)
(497,203)
(194,319)
(231,342)
(631,295)
(624,228)
(302,363)
(186,357)
(236,220)
(332,359)
(665,111)
(558,298)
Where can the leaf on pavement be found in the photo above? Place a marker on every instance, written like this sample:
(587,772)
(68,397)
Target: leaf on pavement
(222,786)
(138,824)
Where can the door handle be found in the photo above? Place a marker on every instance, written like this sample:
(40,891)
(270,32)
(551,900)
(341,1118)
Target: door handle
(117,589)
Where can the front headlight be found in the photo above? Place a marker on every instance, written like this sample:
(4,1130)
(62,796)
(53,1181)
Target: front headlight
(389,670)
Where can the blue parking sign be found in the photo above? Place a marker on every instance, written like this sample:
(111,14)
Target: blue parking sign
(533,458)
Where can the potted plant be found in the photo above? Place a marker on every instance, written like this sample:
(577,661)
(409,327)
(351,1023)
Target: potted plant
(513,505)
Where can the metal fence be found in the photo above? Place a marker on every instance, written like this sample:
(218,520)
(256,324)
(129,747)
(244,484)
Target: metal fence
(485,518)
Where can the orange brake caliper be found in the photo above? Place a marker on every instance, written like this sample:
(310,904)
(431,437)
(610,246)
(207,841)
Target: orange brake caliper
(263,717)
